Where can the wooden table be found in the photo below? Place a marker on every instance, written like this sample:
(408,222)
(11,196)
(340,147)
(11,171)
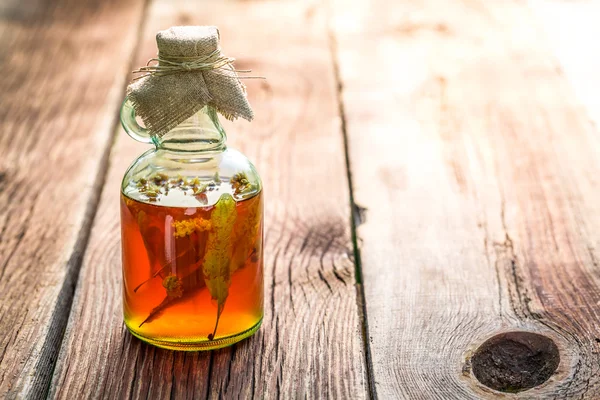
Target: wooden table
(431,172)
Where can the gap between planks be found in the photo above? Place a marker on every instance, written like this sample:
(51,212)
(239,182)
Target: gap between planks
(356,212)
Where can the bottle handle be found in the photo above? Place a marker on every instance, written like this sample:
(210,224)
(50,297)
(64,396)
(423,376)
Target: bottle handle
(130,124)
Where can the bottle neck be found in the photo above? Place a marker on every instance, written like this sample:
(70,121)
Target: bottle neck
(200,133)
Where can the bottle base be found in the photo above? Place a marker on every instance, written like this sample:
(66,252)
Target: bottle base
(190,345)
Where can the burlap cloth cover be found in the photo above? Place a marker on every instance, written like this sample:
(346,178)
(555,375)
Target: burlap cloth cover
(164,101)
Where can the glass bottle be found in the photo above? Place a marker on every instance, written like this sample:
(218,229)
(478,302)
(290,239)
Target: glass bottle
(192,230)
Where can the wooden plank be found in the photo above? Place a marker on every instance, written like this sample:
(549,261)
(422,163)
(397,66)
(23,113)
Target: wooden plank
(310,343)
(478,168)
(63,65)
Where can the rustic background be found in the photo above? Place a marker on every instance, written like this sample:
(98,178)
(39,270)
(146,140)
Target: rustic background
(431,180)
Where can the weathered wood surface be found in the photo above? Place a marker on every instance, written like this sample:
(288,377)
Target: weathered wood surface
(478,166)
(62,80)
(470,145)
(310,344)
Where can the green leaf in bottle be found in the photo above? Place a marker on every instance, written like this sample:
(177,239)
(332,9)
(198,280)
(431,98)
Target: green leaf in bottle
(217,259)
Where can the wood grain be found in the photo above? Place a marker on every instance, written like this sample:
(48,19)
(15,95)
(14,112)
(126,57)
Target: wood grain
(63,65)
(310,344)
(478,167)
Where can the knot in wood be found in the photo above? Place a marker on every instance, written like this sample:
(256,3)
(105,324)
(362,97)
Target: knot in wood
(515,361)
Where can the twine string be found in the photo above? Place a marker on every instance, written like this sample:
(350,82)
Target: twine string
(161,66)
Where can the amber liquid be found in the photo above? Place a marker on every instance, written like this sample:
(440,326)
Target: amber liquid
(166,298)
